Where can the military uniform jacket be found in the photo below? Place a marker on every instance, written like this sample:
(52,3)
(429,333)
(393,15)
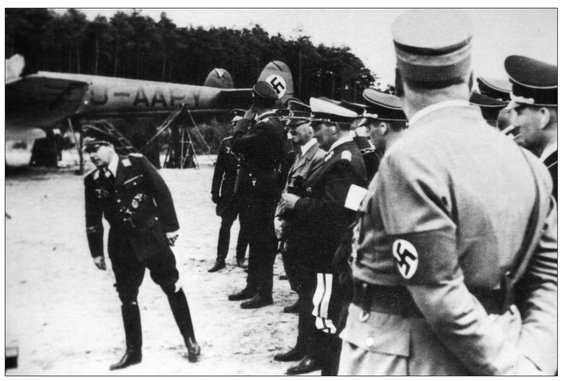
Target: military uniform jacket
(551,163)
(320,218)
(300,170)
(369,155)
(224,175)
(260,143)
(138,204)
(444,217)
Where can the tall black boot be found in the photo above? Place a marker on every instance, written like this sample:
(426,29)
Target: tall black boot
(133,336)
(181,312)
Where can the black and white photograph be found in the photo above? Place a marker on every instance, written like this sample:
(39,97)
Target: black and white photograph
(336,191)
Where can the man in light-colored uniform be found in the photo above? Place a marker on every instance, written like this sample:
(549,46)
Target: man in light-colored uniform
(437,250)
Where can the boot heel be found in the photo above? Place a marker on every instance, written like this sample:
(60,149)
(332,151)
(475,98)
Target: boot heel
(193,350)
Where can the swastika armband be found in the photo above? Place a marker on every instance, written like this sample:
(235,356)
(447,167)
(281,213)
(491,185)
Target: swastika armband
(426,257)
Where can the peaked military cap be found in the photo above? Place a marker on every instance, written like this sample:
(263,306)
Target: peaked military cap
(496,89)
(263,90)
(356,107)
(95,137)
(326,111)
(535,83)
(490,107)
(432,45)
(294,104)
(383,106)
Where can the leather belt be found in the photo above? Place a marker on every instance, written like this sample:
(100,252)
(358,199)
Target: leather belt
(397,300)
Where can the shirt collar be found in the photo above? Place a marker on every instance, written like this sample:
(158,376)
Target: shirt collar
(434,107)
(549,150)
(114,164)
(345,139)
(307,146)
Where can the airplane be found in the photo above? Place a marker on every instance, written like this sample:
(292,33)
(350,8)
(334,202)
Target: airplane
(46,100)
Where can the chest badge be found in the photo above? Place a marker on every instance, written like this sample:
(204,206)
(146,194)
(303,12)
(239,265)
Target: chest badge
(406,257)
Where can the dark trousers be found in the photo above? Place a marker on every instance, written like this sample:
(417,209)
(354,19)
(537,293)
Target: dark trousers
(227,218)
(294,270)
(257,220)
(129,271)
(325,343)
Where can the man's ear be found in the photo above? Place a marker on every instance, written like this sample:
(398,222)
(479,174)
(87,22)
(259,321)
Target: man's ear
(383,128)
(544,114)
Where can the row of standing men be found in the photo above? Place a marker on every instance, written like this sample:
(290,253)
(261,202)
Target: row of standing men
(336,268)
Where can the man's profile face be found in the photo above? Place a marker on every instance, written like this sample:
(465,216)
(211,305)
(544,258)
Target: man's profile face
(378,135)
(101,155)
(528,121)
(301,134)
(325,134)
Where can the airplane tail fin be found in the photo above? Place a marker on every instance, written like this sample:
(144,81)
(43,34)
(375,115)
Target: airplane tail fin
(14,68)
(219,78)
(278,74)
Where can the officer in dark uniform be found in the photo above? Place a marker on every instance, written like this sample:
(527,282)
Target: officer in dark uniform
(130,194)
(489,107)
(333,190)
(384,119)
(259,137)
(362,139)
(223,183)
(535,100)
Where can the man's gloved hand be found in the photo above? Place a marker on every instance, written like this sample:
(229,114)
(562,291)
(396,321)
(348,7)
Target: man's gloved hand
(171,237)
(215,198)
(100,262)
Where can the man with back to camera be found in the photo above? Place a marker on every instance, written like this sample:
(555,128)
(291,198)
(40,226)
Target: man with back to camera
(534,99)
(131,195)
(259,137)
(454,257)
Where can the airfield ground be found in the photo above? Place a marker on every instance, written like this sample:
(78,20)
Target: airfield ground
(65,314)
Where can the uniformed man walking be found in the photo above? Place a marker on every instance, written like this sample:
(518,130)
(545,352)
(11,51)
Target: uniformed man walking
(259,137)
(535,101)
(130,194)
(223,195)
(320,216)
(458,224)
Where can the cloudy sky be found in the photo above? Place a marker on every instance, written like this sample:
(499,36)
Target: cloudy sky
(498,32)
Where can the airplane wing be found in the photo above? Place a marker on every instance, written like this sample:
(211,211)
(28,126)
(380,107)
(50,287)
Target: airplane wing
(40,100)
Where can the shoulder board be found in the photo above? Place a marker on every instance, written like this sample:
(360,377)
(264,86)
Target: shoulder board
(135,154)
(346,155)
(126,162)
(95,174)
(227,138)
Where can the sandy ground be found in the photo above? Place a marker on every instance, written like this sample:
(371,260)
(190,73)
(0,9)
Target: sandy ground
(65,314)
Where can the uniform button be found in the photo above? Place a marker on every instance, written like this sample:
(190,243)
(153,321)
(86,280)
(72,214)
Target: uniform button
(369,342)
(118,200)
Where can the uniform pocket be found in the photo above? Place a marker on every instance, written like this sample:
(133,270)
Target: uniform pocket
(381,333)
(377,345)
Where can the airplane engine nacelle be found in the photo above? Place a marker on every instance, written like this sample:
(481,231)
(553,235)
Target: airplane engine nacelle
(219,78)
